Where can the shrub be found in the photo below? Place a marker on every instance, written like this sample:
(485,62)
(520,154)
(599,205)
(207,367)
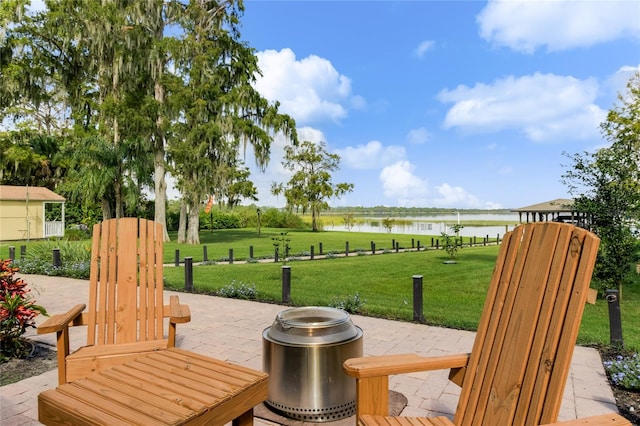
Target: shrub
(351,304)
(77,233)
(217,219)
(274,218)
(17,312)
(331,254)
(624,371)
(239,290)
(70,251)
(74,256)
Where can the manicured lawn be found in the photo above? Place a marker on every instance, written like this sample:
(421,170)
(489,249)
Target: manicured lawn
(218,243)
(453,293)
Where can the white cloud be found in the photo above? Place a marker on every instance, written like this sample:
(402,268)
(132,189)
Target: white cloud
(545,107)
(400,183)
(455,196)
(311,90)
(424,47)
(310,134)
(373,155)
(557,24)
(418,136)
(617,83)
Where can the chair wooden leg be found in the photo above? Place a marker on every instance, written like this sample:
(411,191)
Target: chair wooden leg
(246,419)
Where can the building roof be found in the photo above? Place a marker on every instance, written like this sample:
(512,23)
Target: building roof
(31,193)
(557,205)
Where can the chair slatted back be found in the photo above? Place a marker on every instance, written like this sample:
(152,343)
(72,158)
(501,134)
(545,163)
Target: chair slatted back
(125,295)
(529,326)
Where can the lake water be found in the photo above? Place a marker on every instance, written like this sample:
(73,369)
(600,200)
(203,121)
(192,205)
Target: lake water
(431,225)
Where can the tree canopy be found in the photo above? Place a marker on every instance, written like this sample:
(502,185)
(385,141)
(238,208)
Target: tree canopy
(606,186)
(310,187)
(136,89)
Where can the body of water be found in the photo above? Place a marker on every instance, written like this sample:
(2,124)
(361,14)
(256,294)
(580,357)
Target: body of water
(431,225)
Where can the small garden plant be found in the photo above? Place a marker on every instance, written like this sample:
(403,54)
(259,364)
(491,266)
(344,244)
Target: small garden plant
(282,246)
(17,313)
(239,290)
(450,243)
(624,371)
(351,304)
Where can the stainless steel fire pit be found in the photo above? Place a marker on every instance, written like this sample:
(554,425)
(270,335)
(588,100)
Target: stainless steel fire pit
(303,352)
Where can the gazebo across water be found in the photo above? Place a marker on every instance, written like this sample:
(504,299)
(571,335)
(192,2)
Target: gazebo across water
(558,210)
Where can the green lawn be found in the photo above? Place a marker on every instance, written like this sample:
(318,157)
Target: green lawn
(219,242)
(453,294)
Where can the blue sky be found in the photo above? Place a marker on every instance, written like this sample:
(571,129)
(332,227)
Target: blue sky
(458,104)
(453,104)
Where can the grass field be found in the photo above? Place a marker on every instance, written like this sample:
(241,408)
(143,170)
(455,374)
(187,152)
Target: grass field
(453,293)
(219,242)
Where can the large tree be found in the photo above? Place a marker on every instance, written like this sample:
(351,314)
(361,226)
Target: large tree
(153,100)
(85,56)
(221,112)
(310,187)
(606,187)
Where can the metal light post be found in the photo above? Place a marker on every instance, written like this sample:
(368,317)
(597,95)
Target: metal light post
(259,213)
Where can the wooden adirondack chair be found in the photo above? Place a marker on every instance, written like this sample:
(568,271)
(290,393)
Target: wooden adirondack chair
(126,320)
(517,370)
(126,314)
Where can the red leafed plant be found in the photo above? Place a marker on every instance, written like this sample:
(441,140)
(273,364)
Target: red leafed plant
(17,312)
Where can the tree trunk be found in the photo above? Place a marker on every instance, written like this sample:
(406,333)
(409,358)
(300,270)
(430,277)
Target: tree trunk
(106,209)
(182,223)
(160,204)
(117,189)
(193,226)
(158,67)
(314,220)
(159,166)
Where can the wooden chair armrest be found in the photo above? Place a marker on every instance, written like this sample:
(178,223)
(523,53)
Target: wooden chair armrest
(178,314)
(372,376)
(387,365)
(58,322)
(611,419)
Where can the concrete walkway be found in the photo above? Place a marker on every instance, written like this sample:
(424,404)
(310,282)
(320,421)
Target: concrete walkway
(231,329)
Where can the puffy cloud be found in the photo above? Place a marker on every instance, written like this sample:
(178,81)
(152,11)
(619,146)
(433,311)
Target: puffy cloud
(455,196)
(399,182)
(311,90)
(418,136)
(310,134)
(545,107)
(617,83)
(373,155)
(424,47)
(557,24)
